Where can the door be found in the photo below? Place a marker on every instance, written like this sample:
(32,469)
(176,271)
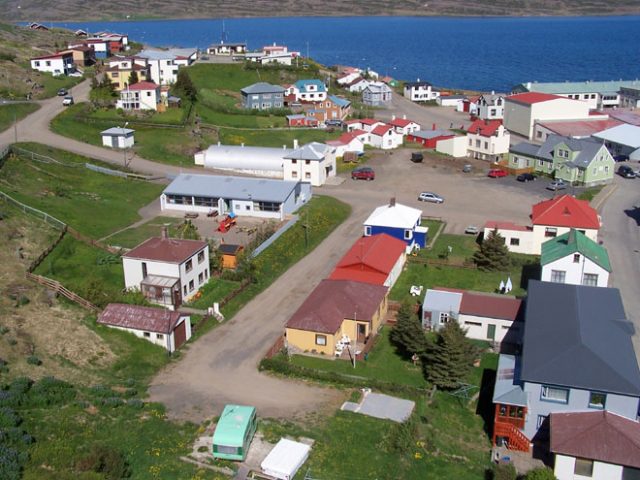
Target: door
(491,332)
(114,142)
(180,335)
(362,332)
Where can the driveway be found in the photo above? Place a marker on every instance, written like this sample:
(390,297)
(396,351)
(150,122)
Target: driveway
(426,116)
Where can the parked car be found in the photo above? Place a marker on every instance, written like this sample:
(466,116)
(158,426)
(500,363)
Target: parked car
(626,171)
(526,177)
(472,230)
(68,100)
(430,197)
(363,173)
(496,173)
(62,92)
(557,185)
(467,168)
(417,157)
(621,158)
(333,122)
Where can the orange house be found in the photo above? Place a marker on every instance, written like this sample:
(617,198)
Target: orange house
(230,254)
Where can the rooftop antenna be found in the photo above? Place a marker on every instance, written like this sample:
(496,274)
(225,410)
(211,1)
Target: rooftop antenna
(223,36)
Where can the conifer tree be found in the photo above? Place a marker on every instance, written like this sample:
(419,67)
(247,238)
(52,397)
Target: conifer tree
(407,334)
(493,253)
(448,360)
(133,78)
(184,86)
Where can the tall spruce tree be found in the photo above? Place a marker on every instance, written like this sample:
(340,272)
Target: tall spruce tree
(133,78)
(184,87)
(493,253)
(448,360)
(407,334)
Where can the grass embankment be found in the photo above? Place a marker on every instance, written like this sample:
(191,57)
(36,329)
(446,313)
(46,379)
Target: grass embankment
(15,112)
(134,236)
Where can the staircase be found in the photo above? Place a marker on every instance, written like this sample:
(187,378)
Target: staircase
(516,439)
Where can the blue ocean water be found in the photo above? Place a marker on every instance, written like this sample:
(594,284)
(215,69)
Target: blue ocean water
(471,53)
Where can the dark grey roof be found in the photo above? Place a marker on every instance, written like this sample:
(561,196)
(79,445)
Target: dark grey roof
(587,147)
(262,87)
(579,337)
(526,148)
(417,84)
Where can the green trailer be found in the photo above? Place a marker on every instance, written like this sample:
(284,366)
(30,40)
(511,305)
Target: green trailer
(234,432)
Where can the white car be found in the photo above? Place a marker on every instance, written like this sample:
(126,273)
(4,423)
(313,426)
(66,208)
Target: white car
(472,230)
(430,197)
(68,100)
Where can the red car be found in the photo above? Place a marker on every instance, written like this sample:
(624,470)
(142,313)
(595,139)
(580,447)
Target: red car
(496,173)
(363,173)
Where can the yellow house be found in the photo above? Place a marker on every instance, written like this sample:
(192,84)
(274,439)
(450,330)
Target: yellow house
(120,74)
(335,311)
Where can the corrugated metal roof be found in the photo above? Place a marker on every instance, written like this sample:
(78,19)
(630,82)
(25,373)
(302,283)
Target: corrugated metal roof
(311,151)
(262,87)
(234,188)
(572,242)
(394,216)
(565,211)
(168,250)
(627,135)
(117,132)
(578,87)
(136,317)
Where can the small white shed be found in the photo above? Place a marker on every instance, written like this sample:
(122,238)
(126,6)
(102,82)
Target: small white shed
(118,137)
(285,459)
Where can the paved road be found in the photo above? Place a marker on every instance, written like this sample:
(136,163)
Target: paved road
(426,116)
(621,235)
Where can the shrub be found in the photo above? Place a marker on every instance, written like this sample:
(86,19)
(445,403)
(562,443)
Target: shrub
(542,473)
(504,472)
(51,391)
(9,418)
(10,464)
(108,461)
(401,437)
(113,402)
(33,360)
(3,330)
(135,403)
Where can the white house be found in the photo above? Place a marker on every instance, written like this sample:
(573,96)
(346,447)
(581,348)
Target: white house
(347,78)
(399,221)
(420,91)
(484,316)
(385,137)
(549,219)
(600,445)
(313,163)
(139,96)
(118,137)
(167,271)
(56,64)
(522,111)
(491,106)
(353,141)
(488,140)
(377,94)
(574,258)
(242,196)
(451,101)
(358,85)
(365,124)
(404,126)
(164,64)
(308,90)
(162,327)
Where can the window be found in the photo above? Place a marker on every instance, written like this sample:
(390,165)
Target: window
(606,169)
(191,285)
(630,473)
(184,290)
(321,339)
(540,163)
(307,175)
(206,273)
(590,280)
(444,318)
(159,336)
(48,63)
(558,276)
(550,232)
(576,258)
(266,206)
(189,265)
(563,153)
(37,64)
(367,231)
(226,449)
(307,162)
(294,174)
(597,400)
(539,134)
(541,420)
(514,242)
(146,334)
(200,257)
(554,394)
(583,467)
(407,234)
(200,277)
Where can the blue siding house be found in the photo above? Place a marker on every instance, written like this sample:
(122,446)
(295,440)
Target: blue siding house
(400,222)
(262,96)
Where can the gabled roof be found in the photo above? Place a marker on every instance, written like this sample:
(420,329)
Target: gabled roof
(401,122)
(149,319)
(486,128)
(53,55)
(530,98)
(394,215)
(565,211)
(578,128)
(381,130)
(493,224)
(508,389)
(572,242)
(378,87)
(579,337)
(602,436)
(625,134)
(333,301)
(588,149)
(140,86)
(303,85)
(429,134)
(166,250)
(339,101)
(417,84)
(370,259)
(262,87)
(311,151)
(478,304)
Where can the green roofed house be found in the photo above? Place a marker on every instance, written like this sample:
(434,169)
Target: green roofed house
(234,432)
(576,259)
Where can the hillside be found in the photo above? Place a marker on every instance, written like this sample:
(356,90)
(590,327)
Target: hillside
(70,10)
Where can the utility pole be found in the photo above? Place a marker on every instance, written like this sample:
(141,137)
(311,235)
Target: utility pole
(15,125)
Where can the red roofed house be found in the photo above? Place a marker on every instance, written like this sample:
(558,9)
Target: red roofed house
(377,259)
(353,141)
(336,313)
(57,64)
(484,316)
(167,271)
(597,444)
(385,137)
(575,129)
(366,124)
(404,126)
(549,218)
(140,96)
(157,325)
(487,140)
(523,110)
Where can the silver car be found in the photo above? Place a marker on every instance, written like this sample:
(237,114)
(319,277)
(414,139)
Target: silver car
(557,185)
(430,197)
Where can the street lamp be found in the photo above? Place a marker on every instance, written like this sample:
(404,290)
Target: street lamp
(124,143)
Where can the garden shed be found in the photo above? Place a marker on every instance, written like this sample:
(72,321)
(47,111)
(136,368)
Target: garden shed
(285,459)
(118,137)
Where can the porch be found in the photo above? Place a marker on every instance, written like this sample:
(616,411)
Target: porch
(162,290)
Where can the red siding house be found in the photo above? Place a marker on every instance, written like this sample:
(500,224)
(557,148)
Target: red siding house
(300,120)
(429,138)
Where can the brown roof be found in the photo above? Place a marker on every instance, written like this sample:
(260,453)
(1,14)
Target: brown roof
(487,305)
(601,435)
(332,301)
(168,250)
(149,319)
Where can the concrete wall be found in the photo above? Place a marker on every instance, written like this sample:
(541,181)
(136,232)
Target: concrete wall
(455,147)
(314,172)
(388,141)
(521,118)
(478,328)
(526,240)
(163,340)
(565,466)
(488,148)
(575,271)
(396,271)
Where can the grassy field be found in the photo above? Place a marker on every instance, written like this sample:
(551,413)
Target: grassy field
(93,203)
(17,111)
(589,193)
(134,236)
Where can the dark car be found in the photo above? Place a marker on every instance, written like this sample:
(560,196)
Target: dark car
(363,173)
(417,157)
(526,177)
(621,158)
(626,171)
(62,92)
(333,123)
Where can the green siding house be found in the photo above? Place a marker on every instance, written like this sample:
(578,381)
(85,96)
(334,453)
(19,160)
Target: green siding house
(578,161)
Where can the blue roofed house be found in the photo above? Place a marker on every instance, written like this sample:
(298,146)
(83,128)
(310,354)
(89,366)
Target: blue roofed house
(577,356)
(399,221)
(262,96)
(312,90)
(337,108)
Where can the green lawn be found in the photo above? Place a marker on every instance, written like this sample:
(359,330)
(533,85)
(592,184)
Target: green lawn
(16,111)
(214,291)
(383,363)
(275,138)
(53,84)
(589,193)
(91,202)
(134,236)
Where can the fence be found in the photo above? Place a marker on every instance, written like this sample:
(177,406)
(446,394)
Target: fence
(275,236)
(45,217)
(119,173)
(37,157)
(59,288)
(245,283)
(36,263)
(275,348)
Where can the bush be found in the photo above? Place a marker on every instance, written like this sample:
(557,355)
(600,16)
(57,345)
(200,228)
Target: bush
(504,472)
(542,473)
(135,403)
(34,360)
(401,437)
(112,402)
(10,463)
(51,391)
(106,460)
(9,418)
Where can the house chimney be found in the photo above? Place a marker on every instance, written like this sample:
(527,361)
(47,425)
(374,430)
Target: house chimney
(433,126)
(392,202)
(242,145)
(404,117)
(493,92)
(295,143)
(528,85)
(164,232)
(393,117)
